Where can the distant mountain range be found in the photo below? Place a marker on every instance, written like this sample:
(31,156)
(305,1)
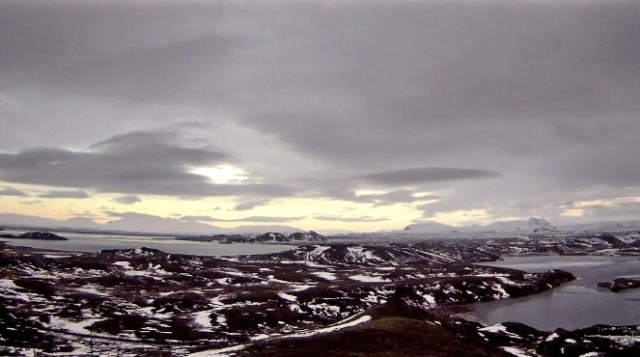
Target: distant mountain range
(523,226)
(531,225)
(149,224)
(139,223)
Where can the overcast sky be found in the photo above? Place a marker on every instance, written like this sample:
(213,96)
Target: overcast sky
(358,115)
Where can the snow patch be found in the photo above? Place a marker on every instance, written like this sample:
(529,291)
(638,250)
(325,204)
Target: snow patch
(288,297)
(369,279)
(499,328)
(551,337)
(515,351)
(223,352)
(339,326)
(325,275)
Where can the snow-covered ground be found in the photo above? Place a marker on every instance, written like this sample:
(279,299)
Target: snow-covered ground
(144,296)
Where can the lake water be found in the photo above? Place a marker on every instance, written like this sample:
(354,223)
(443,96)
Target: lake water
(573,305)
(82,242)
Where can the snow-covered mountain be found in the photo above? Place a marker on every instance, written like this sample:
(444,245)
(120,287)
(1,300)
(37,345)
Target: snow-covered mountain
(522,226)
(81,223)
(140,223)
(259,229)
(11,219)
(429,227)
(531,225)
(154,224)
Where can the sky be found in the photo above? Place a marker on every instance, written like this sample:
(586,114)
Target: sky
(350,115)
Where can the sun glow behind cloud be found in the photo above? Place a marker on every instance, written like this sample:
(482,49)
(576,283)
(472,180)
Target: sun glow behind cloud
(222,174)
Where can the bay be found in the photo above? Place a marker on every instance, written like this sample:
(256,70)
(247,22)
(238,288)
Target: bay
(573,305)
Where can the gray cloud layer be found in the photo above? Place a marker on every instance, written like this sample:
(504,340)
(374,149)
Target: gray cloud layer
(136,163)
(10,191)
(64,194)
(423,175)
(513,107)
(127,199)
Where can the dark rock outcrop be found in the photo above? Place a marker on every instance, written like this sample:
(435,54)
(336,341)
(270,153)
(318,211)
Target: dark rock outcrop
(620,284)
(237,238)
(272,237)
(603,339)
(41,236)
(310,236)
(615,242)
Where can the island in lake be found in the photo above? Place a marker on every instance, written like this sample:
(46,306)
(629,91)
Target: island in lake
(34,235)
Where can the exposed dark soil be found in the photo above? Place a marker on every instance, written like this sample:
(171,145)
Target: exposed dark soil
(386,337)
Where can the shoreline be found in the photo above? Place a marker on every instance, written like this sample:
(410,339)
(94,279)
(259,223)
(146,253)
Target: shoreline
(138,294)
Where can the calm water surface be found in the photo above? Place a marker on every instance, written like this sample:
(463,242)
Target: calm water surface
(82,242)
(574,305)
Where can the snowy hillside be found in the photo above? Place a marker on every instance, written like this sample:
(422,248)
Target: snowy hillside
(531,225)
(429,227)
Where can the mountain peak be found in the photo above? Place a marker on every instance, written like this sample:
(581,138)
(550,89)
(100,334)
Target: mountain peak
(80,223)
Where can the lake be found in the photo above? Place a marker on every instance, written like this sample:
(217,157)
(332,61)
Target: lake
(574,305)
(83,242)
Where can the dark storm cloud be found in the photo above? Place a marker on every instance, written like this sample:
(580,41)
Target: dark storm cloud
(120,164)
(260,219)
(111,48)
(10,191)
(127,199)
(543,97)
(64,194)
(416,176)
(607,161)
(134,163)
(435,82)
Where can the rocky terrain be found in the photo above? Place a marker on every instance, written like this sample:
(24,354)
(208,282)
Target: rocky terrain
(398,329)
(145,302)
(269,237)
(454,251)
